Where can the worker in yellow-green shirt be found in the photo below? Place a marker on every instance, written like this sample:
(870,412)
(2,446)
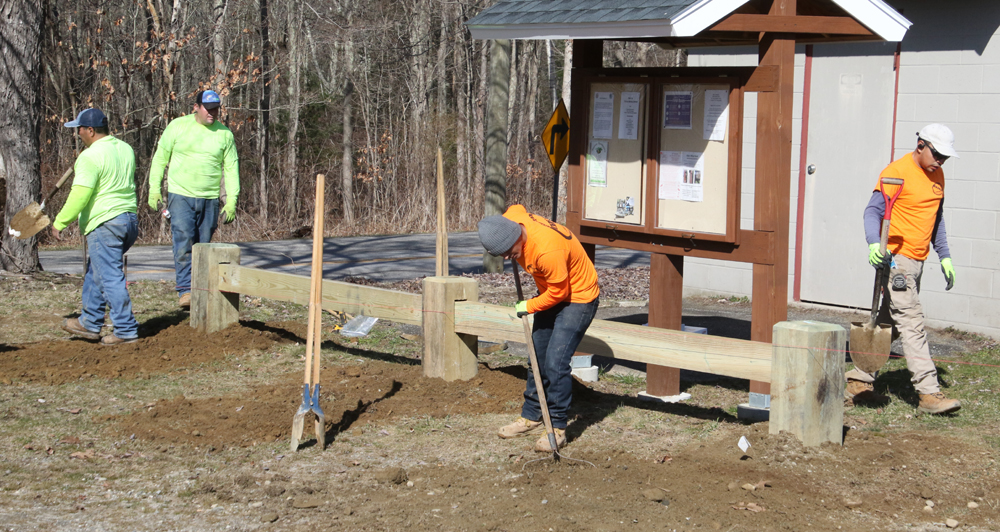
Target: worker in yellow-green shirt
(102,200)
(200,152)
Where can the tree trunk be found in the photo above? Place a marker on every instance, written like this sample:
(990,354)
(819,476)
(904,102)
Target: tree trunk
(564,171)
(347,144)
(263,137)
(295,97)
(21,31)
(463,76)
(218,43)
(496,140)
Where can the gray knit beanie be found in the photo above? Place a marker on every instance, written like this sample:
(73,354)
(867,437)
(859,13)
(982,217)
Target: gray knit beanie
(498,234)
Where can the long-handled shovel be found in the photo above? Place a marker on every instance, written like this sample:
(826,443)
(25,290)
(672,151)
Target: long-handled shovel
(310,388)
(871,343)
(31,219)
(534,368)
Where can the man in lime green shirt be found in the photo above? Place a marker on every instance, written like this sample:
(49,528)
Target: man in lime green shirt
(200,151)
(103,201)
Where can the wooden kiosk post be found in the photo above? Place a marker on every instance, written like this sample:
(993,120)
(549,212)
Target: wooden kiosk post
(212,310)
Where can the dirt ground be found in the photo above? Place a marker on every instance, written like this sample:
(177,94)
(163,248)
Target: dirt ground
(188,432)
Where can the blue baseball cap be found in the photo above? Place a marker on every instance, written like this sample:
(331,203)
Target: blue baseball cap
(209,99)
(92,117)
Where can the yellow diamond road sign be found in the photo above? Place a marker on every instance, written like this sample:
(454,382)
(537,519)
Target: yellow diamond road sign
(555,136)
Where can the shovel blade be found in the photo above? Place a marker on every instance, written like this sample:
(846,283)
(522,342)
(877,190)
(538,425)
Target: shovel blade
(28,222)
(870,345)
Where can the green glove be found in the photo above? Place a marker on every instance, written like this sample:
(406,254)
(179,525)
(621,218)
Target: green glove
(949,272)
(230,210)
(522,309)
(876,258)
(154,199)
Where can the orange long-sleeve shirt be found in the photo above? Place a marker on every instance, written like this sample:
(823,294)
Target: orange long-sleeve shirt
(556,259)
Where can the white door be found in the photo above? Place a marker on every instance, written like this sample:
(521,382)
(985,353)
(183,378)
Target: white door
(849,143)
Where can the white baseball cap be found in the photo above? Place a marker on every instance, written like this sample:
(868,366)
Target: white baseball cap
(940,137)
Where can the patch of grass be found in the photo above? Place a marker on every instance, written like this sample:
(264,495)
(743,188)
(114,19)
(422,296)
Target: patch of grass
(625,379)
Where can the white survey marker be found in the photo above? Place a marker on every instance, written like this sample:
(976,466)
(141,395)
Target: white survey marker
(743,444)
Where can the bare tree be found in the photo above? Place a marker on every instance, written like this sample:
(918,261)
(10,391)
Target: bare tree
(22,23)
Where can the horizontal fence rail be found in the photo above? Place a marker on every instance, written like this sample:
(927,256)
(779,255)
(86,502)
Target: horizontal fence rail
(741,359)
(337,296)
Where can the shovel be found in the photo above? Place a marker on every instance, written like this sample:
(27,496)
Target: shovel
(871,343)
(314,334)
(534,368)
(30,220)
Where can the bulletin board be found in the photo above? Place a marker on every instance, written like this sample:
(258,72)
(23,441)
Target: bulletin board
(697,178)
(615,170)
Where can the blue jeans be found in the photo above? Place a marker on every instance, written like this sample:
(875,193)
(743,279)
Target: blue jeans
(104,285)
(192,221)
(556,333)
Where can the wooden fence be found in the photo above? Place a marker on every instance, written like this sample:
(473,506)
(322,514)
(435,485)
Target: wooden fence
(805,364)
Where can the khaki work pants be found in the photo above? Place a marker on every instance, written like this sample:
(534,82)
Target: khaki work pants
(908,315)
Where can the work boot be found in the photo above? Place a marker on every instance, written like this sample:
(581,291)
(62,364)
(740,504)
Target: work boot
(937,403)
(863,393)
(521,427)
(74,327)
(111,339)
(542,445)
(185,301)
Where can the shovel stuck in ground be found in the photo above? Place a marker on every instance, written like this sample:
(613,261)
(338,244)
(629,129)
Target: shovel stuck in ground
(32,219)
(536,372)
(314,334)
(871,342)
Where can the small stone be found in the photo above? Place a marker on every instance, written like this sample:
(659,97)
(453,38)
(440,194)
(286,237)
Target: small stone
(853,503)
(749,487)
(306,502)
(929,503)
(653,494)
(409,484)
(196,433)
(926,493)
(929,509)
(732,486)
(979,493)
(973,505)
(256,504)
(951,523)
(269,518)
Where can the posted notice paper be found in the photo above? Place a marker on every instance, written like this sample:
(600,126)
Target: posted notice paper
(628,116)
(597,164)
(604,114)
(677,108)
(716,114)
(681,174)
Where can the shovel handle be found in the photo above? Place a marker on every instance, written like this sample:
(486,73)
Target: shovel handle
(59,183)
(882,274)
(536,372)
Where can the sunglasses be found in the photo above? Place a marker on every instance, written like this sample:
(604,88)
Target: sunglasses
(934,153)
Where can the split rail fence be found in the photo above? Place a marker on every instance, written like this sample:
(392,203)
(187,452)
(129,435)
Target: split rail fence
(804,365)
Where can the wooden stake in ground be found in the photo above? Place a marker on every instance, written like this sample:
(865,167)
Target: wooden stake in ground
(441,255)
(534,367)
(314,333)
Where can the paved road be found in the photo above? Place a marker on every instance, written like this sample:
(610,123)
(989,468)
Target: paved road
(380,258)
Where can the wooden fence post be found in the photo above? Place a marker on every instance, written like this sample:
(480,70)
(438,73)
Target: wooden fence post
(447,354)
(212,310)
(807,381)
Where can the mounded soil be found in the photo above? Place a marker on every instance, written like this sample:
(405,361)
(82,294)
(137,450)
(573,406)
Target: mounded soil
(874,481)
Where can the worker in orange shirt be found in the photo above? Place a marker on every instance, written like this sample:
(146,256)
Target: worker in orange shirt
(917,224)
(563,309)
